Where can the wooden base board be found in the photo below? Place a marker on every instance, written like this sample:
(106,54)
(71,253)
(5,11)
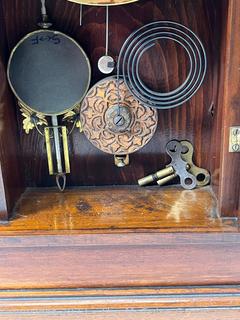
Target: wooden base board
(117,209)
(120,252)
(219,302)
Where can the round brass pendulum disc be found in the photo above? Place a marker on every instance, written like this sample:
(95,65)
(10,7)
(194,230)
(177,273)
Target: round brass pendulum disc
(114,121)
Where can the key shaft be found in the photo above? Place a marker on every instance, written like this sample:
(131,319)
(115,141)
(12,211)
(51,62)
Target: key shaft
(156,176)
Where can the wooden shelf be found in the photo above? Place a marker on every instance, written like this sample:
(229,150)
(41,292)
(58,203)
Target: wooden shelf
(112,237)
(117,209)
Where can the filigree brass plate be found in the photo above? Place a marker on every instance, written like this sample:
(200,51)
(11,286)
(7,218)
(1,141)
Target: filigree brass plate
(114,121)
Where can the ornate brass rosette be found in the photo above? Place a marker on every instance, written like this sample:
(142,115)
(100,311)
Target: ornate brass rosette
(103,2)
(114,121)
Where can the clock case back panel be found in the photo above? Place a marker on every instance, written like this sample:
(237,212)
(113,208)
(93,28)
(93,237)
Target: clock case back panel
(199,120)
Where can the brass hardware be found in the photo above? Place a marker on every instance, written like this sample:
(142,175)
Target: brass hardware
(234,139)
(49,150)
(49,132)
(202,175)
(73,117)
(181,166)
(35,111)
(121,161)
(116,121)
(167,179)
(121,125)
(156,176)
(162,176)
(61,181)
(65,149)
(31,119)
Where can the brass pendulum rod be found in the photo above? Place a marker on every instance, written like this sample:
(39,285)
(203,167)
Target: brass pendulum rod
(57,144)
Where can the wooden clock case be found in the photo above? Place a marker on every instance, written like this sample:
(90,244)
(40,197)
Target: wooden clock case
(106,248)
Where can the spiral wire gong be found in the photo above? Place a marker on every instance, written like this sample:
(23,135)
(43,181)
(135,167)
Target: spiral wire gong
(145,38)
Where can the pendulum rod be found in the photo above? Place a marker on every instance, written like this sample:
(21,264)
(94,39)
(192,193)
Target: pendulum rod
(57,144)
(81,15)
(107,30)
(43,9)
(106,63)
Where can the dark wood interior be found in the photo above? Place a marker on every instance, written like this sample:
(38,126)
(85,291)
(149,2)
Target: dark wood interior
(99,251)
(193,121)
(199,120)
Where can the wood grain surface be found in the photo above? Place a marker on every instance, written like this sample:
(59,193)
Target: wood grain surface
(220,314)
(114,209)
(196,120)
(200,314)
(118,237)
(11,178)
(230,170)
(98,300)
(118,260)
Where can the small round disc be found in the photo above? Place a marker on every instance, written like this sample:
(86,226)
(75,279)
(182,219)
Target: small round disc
(114,121)
(106,64)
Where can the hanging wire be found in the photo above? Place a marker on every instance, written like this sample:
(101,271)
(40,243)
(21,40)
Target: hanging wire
(81,15)
(107,30)
(43,9)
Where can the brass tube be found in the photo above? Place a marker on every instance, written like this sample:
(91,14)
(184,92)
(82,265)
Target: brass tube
(65,150)
(156,176)
(49,150)
(163,181)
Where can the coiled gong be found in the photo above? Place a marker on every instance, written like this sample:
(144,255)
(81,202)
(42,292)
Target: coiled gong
(114,121)
(147,37)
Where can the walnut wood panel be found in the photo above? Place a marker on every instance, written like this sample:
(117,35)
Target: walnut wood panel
(199,314)
(111,209)
(230,169)
(118,260)
(120,299)
(11,180)
(196,120)
(221,314)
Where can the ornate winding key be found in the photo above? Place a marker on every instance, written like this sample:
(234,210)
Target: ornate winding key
(175,149)
(181,153)
(202,175)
